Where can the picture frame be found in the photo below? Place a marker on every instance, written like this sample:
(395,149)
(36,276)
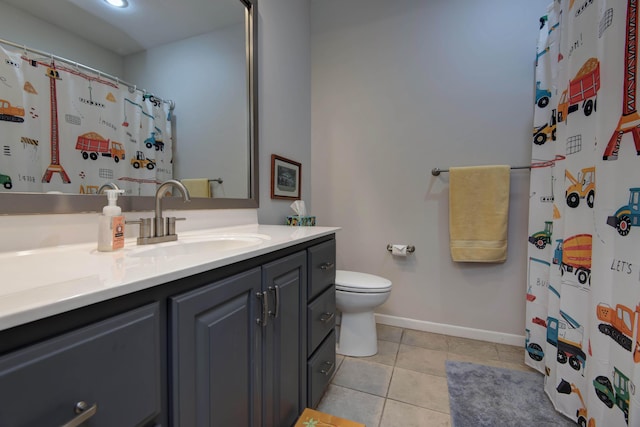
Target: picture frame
(285,178)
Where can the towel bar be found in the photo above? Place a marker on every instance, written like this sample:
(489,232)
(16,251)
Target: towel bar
(438,171)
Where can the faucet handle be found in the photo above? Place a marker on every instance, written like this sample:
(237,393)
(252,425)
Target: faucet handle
(171,224)
(145,227)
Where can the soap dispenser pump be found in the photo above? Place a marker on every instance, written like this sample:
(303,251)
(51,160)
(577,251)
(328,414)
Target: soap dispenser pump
(111,224)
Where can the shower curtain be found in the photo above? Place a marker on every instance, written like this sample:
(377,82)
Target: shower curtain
(65,129)
(583,287)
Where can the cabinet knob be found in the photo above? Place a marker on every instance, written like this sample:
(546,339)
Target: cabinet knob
(327,266)
(84,413)
(327,371)
(326,317)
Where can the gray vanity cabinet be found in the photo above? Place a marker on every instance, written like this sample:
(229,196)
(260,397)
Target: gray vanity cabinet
(284,340)
(226,347)
(112,366)
(215,353)
(236,348)
(321,312)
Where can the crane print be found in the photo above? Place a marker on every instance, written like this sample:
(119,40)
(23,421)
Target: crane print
(630,119)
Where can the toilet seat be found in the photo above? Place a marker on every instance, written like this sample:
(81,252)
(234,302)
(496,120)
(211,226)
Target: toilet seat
(352,281)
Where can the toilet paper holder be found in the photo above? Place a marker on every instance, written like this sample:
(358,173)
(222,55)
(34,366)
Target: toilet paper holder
(410,248)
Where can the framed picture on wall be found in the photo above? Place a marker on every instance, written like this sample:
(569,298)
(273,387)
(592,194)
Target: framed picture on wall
(285,178)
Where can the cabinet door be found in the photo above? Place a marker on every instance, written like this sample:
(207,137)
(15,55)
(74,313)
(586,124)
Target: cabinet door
(113,366)
(284,282)
(215,351)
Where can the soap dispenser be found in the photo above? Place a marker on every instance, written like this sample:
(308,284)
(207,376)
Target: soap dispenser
(111,224)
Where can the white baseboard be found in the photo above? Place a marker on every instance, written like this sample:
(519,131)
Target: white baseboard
(456,331)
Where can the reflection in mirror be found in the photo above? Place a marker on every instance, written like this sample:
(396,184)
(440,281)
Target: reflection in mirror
(88,96)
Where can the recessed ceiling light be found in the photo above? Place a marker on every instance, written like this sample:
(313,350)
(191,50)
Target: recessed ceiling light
(118,3)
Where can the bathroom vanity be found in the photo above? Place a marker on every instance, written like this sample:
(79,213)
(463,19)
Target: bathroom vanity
(189,333)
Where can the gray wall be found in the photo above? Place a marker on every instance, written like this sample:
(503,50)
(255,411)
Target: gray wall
(398,88)
(284,97)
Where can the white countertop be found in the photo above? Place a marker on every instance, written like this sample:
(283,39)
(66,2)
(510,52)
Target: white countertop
(44,282)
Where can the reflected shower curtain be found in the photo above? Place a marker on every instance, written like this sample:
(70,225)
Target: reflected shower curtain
(583,287)
(65,129)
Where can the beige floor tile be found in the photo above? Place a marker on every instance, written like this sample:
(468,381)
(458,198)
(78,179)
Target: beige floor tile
(468,347)
(387,352)
(422,360)
(368,377)
(398,414)
(389,333)
(416,388)
(353,405)
(425,339)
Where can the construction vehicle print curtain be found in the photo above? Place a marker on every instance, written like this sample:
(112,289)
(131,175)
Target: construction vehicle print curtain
(583,284)
(65,129)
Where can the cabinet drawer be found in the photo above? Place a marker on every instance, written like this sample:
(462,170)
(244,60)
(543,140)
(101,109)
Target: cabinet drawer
(113,364)
(322,268)
(320,369)
(321,318)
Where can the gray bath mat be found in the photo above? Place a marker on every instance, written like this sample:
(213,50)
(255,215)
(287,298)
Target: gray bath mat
(495,397)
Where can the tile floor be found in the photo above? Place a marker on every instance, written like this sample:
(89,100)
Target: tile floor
(405,384)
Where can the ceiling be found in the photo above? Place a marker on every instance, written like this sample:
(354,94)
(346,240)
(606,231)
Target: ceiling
(144,24)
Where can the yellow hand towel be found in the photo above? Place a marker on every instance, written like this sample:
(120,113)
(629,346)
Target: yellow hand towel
(198,187)
(479,213)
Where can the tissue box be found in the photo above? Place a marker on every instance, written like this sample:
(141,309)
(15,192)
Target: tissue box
(301,220)
(312,417)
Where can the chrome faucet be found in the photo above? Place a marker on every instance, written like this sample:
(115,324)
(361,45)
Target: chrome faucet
(158,220)
(159,233)
(108,185)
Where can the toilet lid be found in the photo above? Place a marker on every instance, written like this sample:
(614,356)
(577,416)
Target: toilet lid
(352,281)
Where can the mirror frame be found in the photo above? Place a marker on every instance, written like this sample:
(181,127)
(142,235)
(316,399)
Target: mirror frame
(41,203)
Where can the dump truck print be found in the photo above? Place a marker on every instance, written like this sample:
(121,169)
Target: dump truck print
(91,144)
(582,91)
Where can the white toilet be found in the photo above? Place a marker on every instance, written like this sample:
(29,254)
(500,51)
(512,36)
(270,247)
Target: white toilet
(357,295)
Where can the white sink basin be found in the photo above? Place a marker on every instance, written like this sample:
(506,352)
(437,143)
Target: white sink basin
(200,244)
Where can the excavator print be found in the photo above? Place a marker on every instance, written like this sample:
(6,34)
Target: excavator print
(565,388)
(618,324)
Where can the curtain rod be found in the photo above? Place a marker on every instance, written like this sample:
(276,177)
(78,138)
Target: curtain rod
(171,103)
(437,171)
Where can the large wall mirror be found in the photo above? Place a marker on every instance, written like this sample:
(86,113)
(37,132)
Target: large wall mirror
(163,89)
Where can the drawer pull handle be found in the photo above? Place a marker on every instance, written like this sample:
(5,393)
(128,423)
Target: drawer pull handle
(84,413)
(263,296)
(328,371)
(326,317)
(276,292)
(327,266)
